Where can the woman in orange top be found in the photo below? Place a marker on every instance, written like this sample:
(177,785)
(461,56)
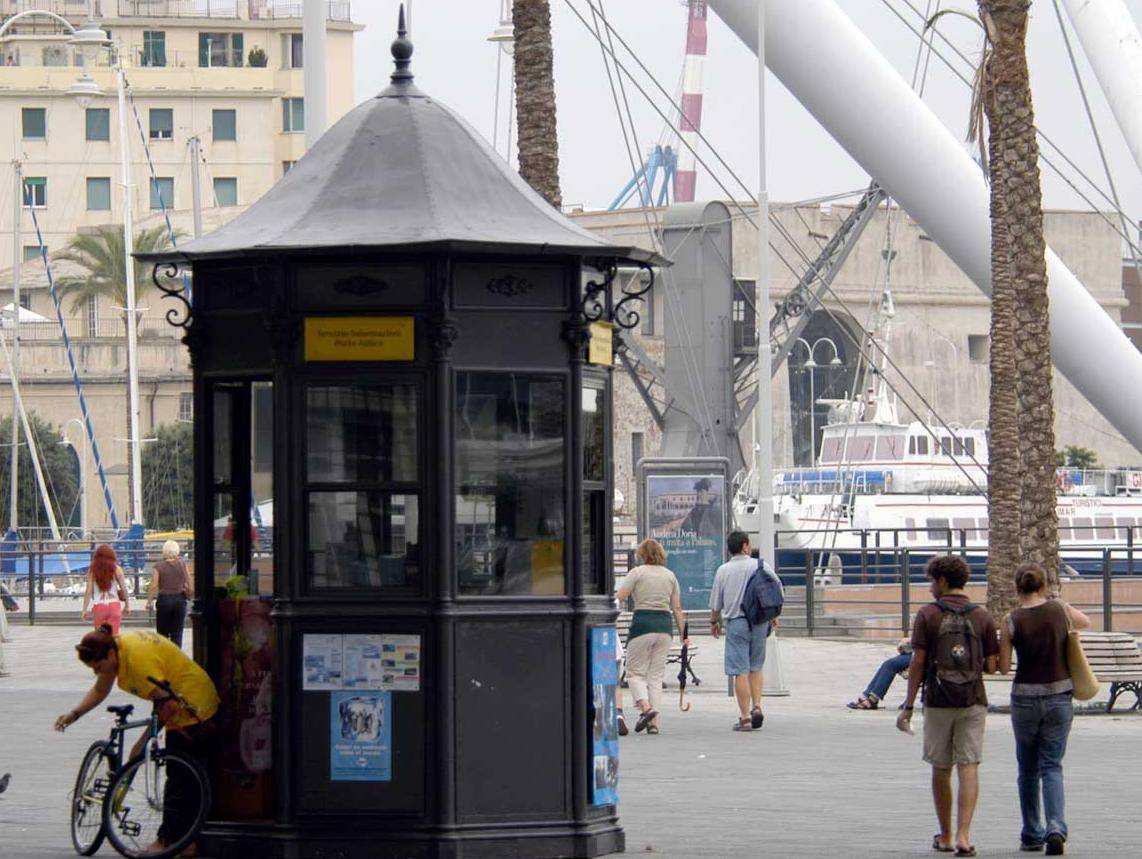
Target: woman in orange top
(106,590)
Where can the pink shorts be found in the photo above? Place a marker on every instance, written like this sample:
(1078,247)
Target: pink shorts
(108,612)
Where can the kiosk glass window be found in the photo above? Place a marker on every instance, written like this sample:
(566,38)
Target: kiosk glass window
(510,516)
(594,485)
(362,471)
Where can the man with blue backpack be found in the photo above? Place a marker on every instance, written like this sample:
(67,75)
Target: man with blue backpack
(745,601)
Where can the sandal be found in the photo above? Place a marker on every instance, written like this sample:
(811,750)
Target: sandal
(645,719)
(652,729)
(756,718)
(940,848)
(863,703)
(966,851)
(623,729)
(743,724)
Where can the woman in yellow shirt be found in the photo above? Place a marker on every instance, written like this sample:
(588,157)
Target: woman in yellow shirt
(129,659)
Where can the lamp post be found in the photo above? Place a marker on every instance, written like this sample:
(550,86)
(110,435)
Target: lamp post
(931,364)
(91,39)
(81,453)
(503,37)
(811,365)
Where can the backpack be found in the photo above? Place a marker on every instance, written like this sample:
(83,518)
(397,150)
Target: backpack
(957,659)
(763,598)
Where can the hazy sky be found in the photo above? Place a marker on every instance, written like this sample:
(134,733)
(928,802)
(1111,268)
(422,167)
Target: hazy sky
(454,63)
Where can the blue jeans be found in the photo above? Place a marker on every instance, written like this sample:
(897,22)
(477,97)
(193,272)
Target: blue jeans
(1042,725)
(885,674)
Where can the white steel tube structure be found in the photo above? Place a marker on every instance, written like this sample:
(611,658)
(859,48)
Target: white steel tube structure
(17,259)
(926,169)
(135,514)
(196,184)
(314,51)
(763,411)
(1111,42)
(690,122)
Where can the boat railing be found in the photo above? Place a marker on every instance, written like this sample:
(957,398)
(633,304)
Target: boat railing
(1087,482)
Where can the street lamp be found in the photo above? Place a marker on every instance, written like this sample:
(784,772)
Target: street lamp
(930,363)
(503,37)
(81,454)
(811,365)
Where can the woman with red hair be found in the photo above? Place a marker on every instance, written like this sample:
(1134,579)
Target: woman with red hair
(106,590)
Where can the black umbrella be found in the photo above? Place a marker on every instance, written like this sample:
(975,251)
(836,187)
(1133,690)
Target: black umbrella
(684,661)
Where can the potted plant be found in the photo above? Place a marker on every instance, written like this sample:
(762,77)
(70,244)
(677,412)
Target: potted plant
(258,58)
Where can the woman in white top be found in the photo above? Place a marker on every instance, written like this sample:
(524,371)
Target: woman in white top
(106,590)
(657,599)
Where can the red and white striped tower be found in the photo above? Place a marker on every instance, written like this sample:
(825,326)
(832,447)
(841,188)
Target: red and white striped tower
(690,123)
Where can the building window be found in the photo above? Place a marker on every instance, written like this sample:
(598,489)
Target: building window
(92,316)
(225,125)
(25,300)
(154,48)
(185,407)
(220,50)
(293,114)
(161,123)
(743,312)
(99,194)
(55,55)
(35,192)
(31,252)
(226,190)
(35,122)
(978,348)
(98,123)
(287,166)
(292,56)
(162,192)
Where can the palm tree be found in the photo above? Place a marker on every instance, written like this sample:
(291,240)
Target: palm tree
(99,254)
(535,98)
(1017,160)
(101,257)
(1003,483)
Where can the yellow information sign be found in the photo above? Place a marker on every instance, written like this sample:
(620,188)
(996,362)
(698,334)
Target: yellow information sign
(359,338)
(599,350)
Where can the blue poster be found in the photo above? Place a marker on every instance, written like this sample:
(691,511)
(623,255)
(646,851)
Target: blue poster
(605,733)
(360,736)
(687,515)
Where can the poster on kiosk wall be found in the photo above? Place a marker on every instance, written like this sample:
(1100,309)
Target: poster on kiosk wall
(685,506)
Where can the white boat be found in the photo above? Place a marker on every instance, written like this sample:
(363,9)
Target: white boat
(894,485)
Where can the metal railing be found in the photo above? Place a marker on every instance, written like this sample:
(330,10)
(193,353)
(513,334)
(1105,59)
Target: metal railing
(110,327)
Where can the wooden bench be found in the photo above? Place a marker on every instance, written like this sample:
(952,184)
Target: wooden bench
(1114,658)
(673,657)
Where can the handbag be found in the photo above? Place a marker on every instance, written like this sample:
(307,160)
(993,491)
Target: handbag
(10,603)
(1082,678)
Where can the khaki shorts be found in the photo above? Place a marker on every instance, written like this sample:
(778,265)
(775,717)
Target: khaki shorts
(954,735)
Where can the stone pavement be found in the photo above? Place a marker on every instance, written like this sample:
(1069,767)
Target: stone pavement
(818,780)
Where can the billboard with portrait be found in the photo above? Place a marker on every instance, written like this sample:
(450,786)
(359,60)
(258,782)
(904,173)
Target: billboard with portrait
(688,513)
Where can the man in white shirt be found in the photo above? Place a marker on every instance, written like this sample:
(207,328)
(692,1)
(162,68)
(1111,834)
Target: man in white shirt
(745,644)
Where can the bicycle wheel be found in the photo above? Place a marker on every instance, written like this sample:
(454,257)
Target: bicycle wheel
(156,805)
(87,799)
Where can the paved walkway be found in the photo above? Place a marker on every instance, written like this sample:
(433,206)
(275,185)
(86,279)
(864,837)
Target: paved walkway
(818,780)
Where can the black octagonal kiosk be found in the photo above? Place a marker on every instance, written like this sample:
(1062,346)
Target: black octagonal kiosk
(402,392)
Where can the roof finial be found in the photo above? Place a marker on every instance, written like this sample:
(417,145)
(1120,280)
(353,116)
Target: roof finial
(402,53)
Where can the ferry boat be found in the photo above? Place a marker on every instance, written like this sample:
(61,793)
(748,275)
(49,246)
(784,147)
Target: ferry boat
(882,485)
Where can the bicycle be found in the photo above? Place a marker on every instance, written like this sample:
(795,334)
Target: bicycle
(125,802)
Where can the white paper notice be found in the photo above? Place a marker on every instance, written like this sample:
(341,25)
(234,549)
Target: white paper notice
(321,662)
(363,668)
(400,662)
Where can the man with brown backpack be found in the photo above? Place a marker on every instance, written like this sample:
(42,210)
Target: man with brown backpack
(953,643)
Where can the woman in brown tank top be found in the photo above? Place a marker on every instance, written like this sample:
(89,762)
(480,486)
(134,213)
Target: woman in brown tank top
(171,589)
(1041,708)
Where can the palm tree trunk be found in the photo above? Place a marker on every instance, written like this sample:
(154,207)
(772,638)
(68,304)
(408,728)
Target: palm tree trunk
(535,98)
(1023,205)
(1003,487)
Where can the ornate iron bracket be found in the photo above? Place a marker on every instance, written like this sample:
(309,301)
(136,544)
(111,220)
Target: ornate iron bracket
(595,294)
(625,316)
(181,317)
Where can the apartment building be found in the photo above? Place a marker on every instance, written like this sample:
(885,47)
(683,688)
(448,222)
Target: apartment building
(227,72)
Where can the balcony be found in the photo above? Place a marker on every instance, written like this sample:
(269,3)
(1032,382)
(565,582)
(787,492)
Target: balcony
(251,10)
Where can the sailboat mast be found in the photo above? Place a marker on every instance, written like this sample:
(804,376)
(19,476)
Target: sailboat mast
(17,259)
(763,411)
(136,476)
